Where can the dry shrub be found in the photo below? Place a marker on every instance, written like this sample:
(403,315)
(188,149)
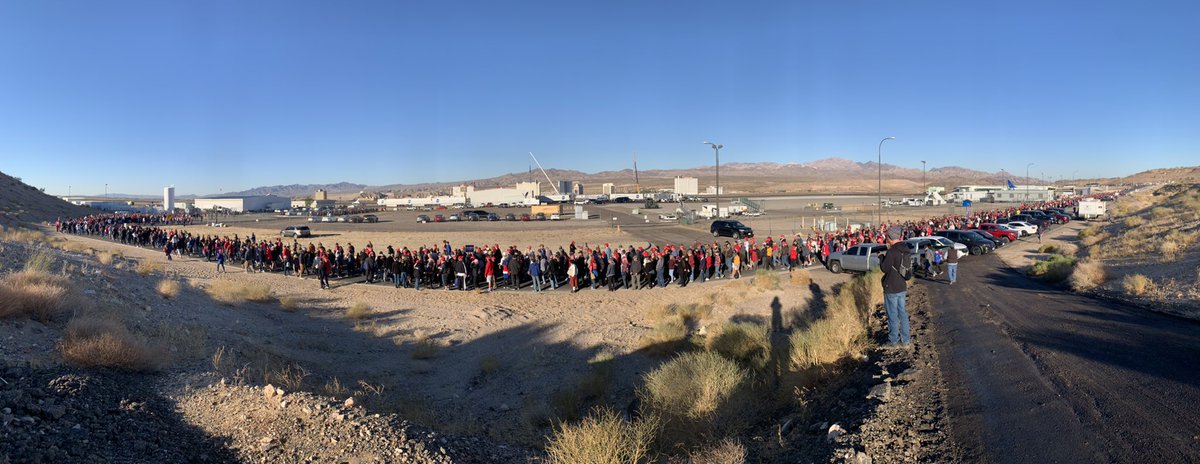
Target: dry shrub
(39,261)
(1046,248)
(33,294)
(489,365)
(801,278)
(1160,212)
(841,333)
(727,451)
(766,280)
(745,342)
(1137,284)
(1055,269)
(1067,249)
(92,342)
(1168,250)
(105,257)
(168,288)
(289,302)
(1134,221)
(1088,274)
(687,313)
(21,235)
(146,267)
(423,346)
(699,395)
(868,291)
(602,438)
(232,293)
(358,310)
(667,337)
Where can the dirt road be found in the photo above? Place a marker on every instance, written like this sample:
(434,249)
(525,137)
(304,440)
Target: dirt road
(1037,374)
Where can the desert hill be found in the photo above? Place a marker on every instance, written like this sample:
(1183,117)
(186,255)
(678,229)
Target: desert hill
(20,202)
(1188,174)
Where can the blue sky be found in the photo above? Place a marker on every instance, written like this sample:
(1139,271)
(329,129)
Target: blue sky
(215,95)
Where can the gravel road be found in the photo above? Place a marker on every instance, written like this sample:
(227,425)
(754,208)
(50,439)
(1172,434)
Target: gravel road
(1037,374)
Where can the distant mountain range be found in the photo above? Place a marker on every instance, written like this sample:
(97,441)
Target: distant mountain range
(737,177)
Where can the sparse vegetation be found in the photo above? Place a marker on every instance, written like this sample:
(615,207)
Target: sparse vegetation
(1137,284)
(591,387)
(168,288)
(602,438)
(1055,269)
(727,451)
(39,261)
(232,293)
(1088,274)
(146,267)
(358,310)
(1062,248)
(289,302)
(699,395)
(489,365)
(423,346)
(95,342)
(766,280)
(34,294)
(745,342)
(801,278)
(668,336)
(841,333)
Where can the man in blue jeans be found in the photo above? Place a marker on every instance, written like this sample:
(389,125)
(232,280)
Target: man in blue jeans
(952,265)
(897,268)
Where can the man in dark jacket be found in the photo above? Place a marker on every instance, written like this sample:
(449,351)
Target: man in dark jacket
(951,265)
(896,267)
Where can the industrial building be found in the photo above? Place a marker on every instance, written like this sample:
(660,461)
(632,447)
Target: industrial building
(243,203)
(687,186)
(998,193)
(169,198)
(606,188)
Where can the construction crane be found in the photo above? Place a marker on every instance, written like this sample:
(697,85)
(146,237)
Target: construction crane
(539,165)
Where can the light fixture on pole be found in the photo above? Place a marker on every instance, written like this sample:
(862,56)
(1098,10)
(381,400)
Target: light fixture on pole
(924,186)
(717,152)
(879,165)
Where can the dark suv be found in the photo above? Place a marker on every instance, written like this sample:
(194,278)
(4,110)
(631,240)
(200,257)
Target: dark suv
(730,228)
(976,244)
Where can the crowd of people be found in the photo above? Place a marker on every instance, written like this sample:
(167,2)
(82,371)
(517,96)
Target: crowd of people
(491,267)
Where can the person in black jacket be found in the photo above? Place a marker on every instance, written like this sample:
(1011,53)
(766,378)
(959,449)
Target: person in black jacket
(897,268)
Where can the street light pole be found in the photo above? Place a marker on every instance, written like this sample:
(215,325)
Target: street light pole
(924,186)
(717,152)
(879,166)
(1027,181)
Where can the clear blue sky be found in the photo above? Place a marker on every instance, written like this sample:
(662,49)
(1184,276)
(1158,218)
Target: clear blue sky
(226,95)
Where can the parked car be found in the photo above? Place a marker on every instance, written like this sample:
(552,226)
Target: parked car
(423,218)
(667,217)
(525,217)
(860,258)
(1028,220)
(1049,218)
(540,216)
(439,218)
(296,231)
(730,228)
(997,242)
(1060,217)
(917,247)
(510,217)
(1024,228)
(943,242)
(975,243)
(410,208)
(478,212)
(328,219)
(355,219)
(493,217)
(454,218)
(370,218)
(441,208)
(1000,231)
(555,217)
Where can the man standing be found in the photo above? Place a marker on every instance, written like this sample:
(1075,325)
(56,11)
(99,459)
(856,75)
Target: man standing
(951,265)
(897,269)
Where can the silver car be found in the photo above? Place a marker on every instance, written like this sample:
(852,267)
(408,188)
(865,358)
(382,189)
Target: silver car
(859,258)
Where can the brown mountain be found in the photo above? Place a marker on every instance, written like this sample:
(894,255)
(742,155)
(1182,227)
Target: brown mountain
(20,202)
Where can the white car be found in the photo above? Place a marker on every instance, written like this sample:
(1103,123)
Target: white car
(555,217)
(667,217)
(960,248)
(1024,228)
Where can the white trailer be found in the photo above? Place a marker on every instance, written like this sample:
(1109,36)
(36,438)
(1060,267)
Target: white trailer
(1090,208)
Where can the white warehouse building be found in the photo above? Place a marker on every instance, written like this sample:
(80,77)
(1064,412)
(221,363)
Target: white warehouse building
(687,186)
(244,203)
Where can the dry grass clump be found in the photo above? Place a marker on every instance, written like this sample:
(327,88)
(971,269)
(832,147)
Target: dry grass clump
(92,342)
(22,235)
(700,396)
(668,336)
(39,261)
(801,278)
(358,310)
(1169,250)
(840,334)
(687,313)
(34,294)
(146,267)
(1134,221)
(868,291)
(1061,248)
(602,438)
(1137,284)
(423,346)
(1161,212)
(745,342)
(1055,269)
(1088,274)
(232,293)
(105,257)
(168,288)
(727,451)
(766,280)
(289,302)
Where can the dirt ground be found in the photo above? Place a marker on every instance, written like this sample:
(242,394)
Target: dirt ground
(491,365)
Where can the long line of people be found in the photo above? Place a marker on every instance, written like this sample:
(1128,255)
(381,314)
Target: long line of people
(491,267)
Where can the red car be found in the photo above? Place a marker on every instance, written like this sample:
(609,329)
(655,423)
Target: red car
(525,217)
(996,231)
(439,218)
